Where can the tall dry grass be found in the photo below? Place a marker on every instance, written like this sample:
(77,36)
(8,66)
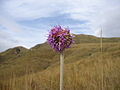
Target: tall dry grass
(81,75)
(83,67)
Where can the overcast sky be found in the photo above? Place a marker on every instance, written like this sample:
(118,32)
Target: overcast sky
(27,22)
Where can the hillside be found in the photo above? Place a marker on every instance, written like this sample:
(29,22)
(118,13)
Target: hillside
(12,53)
(38,68)
(93,39)
(41,56)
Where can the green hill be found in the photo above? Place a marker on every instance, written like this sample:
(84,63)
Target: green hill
(12,53)
(93,39)
(42,56)
(83,65)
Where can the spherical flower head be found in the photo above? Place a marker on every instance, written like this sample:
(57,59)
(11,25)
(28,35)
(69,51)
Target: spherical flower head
(60,38)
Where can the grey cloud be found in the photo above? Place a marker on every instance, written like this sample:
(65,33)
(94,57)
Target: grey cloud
(111,26)
(77,10)
(5,44)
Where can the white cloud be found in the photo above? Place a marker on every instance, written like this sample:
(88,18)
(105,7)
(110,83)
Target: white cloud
(96,13)
(27,38)
(32,9)
(9,23)
(6,39)
(108,19)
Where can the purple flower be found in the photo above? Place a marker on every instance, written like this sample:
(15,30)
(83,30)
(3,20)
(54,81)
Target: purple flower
(60,38)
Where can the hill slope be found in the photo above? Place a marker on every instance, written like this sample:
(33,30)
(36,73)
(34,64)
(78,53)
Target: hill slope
(42,56)
(86,68)
(93,39)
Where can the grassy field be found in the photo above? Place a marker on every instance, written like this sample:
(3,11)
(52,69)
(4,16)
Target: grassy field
(86,68)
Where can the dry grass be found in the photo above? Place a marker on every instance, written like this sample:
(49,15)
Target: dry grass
(81,75)
(83,69)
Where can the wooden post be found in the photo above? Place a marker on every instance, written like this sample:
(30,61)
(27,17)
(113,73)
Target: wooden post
(101,41)
(61,70)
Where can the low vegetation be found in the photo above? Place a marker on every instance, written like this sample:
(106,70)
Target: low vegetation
(86,68)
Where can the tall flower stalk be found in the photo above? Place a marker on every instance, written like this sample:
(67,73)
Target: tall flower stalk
(59,39)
